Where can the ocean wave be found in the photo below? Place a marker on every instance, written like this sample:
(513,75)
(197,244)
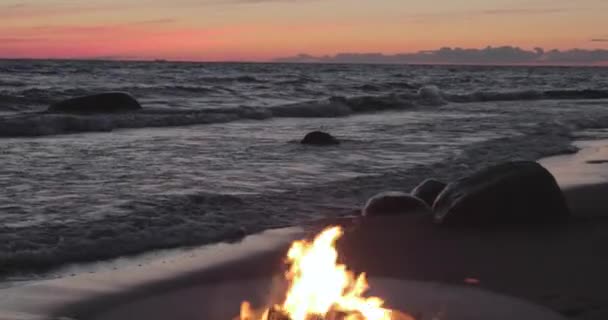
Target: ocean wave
(169,221)
(298,81)
(16,101)
(22,99)
(313,109)
(485,96)
(399,85)
(339,106)
(200,90)
(243,79)
(431,95)
(37,96)
(6,99)
(11,83)
(54,94)
(369,87)
(41,124)
(383,86)
(150,224)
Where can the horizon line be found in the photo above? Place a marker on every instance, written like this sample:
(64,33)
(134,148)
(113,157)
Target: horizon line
(502,55)
(276,61)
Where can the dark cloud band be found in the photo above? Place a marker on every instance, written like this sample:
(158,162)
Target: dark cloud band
(488,55)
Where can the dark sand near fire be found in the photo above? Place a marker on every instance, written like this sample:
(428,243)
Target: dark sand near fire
(561,267)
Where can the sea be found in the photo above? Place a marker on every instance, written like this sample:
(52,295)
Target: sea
(215,152)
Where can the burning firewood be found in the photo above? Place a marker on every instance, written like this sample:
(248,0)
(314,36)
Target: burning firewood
(322,289)
(276,314)
(336,315)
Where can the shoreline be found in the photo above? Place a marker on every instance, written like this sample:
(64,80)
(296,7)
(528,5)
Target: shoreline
(559,162)
(279,209)
(558,267)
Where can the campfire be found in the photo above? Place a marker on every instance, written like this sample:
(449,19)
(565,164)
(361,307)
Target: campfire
(321,289)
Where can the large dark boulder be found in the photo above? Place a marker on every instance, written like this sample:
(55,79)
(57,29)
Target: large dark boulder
(110,102)
(319,138)
(511,193)
(394,203)
(428,190)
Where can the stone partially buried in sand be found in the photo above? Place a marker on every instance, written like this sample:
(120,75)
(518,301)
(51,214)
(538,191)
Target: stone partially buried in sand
(110,102)
(319,138)
(511,193)
(393,203)
(428,190)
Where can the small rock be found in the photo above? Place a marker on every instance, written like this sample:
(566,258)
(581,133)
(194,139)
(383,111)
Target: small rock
(319,138)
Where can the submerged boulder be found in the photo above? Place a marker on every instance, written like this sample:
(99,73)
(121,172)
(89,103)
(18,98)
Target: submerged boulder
(520,192)
(393,203)
(319,138)
(110,102)
(428,190)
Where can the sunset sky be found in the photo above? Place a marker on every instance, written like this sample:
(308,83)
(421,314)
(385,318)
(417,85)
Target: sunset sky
(265,29)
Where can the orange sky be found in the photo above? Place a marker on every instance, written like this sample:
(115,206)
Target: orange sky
(265,29)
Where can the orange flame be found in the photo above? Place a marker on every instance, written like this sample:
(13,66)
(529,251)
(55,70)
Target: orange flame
(319,286)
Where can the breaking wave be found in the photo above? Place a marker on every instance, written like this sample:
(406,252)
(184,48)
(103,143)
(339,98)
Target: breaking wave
(42,123)
(36,96)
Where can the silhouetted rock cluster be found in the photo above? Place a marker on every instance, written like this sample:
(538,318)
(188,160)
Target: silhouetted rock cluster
(510,193)
(521,192)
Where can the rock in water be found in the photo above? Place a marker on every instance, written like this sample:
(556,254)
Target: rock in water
(428,190)
(319,138)
(431,95)
(520,192)
(394,203)
(110,102)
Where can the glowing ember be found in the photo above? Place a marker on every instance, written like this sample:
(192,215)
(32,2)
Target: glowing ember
(320,288)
